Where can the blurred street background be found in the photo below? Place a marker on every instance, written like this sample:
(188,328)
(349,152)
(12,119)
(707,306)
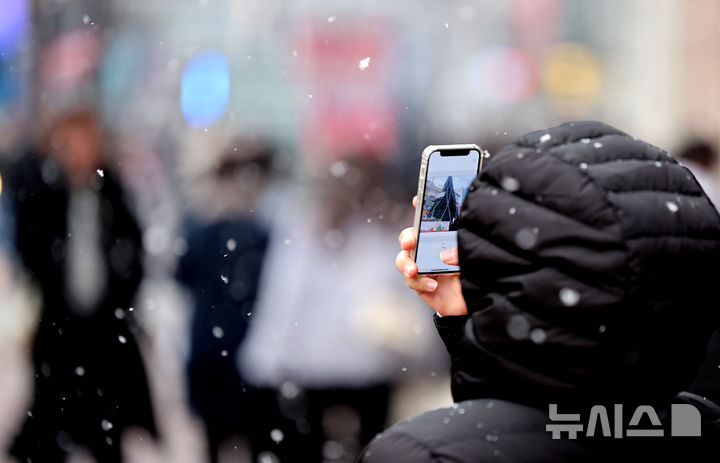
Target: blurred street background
(258,158)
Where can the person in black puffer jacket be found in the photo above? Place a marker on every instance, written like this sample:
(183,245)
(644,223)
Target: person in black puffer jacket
(588,261)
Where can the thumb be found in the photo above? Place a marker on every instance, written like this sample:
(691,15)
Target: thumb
(450,256)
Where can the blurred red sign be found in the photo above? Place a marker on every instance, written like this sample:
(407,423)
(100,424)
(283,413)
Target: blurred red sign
(350,108)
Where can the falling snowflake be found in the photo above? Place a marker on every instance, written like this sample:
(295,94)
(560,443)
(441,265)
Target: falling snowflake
(106,425)
(267,457)
(364,63)
(545,138)
(569,297)
(218,332)
(277,435)
(100,172)
(338,169)
(526,238)
(231,244)
(518,327)
(331,19)
(538,336)
(510,184)
(289,390)
(224,279)
(122,339)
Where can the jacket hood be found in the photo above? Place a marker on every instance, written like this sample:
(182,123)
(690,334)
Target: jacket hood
(588,259)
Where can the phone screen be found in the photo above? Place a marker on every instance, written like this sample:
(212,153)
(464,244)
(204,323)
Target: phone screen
(449,174)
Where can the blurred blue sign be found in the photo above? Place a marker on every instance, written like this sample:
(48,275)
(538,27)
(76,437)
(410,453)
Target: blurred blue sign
(205,88)
(13,23)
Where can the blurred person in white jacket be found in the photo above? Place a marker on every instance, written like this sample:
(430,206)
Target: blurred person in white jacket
(322,347)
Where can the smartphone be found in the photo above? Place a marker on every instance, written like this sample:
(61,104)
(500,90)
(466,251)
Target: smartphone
(446,172)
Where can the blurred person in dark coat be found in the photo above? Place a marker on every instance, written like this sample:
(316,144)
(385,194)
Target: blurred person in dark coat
(82,248)
(588,263)
(221,268)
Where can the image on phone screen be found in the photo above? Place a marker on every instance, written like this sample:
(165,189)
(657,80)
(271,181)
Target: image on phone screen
(446,183)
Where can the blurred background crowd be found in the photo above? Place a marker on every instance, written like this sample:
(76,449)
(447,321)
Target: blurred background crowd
(199,201)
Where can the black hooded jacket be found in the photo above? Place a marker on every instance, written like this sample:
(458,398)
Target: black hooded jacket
(588,260)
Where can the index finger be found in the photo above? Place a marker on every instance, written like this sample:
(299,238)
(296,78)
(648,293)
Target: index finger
(407,239)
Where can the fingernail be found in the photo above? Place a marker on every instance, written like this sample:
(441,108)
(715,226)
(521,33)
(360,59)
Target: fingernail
(446,254)
(406,270)
(431,285)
